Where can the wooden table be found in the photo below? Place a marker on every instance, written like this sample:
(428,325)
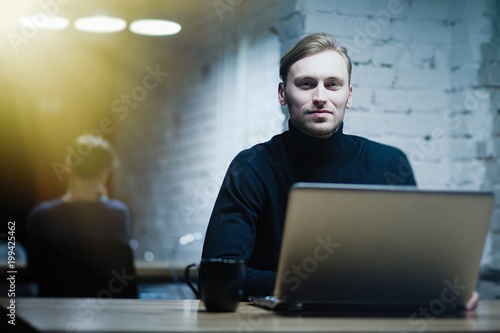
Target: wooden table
(113,315)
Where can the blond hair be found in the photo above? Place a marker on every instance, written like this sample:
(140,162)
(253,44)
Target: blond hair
(309,45)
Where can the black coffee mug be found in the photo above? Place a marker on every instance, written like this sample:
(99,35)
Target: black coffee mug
(220,283)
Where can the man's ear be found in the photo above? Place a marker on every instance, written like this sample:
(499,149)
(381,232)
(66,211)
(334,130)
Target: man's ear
(281,94)
(349,99)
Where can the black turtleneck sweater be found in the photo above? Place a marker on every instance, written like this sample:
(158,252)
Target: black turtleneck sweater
(248,216)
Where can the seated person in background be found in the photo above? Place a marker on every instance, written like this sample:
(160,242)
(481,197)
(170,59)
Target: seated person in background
(248,216)
(78,243)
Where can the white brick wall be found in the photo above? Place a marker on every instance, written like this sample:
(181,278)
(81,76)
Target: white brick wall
(426,79)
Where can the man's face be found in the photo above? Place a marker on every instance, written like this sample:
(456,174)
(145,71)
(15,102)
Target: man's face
(317,93)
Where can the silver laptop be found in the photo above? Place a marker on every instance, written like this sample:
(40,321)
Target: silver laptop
(376,248)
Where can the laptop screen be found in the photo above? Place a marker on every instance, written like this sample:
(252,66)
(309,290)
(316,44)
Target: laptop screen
(381,246)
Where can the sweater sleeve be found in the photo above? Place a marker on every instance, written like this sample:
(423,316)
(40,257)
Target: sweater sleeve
(231,231)
(400,171)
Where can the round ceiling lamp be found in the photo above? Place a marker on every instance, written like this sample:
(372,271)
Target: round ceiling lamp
(100,24)
(153,27)
(43,21)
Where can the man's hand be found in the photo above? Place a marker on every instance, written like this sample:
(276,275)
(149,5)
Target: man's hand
(473,302)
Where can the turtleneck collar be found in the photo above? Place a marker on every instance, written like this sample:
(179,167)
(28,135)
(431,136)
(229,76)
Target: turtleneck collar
(306,149)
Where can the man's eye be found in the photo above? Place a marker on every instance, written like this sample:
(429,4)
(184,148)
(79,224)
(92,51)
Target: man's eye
(332,84)
(306,84)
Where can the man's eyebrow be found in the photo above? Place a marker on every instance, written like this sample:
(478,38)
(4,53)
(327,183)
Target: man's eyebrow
(305,77)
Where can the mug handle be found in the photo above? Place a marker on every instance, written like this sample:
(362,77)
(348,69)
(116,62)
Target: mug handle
(188,280)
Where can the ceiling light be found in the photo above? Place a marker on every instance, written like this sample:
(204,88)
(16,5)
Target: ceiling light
(100,24)
(152,27)
(43,21)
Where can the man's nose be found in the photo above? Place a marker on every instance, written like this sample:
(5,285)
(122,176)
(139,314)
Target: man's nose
(319,96)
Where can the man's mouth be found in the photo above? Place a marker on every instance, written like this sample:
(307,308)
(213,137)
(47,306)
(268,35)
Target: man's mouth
(319,112)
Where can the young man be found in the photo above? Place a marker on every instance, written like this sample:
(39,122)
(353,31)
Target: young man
(247,220)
